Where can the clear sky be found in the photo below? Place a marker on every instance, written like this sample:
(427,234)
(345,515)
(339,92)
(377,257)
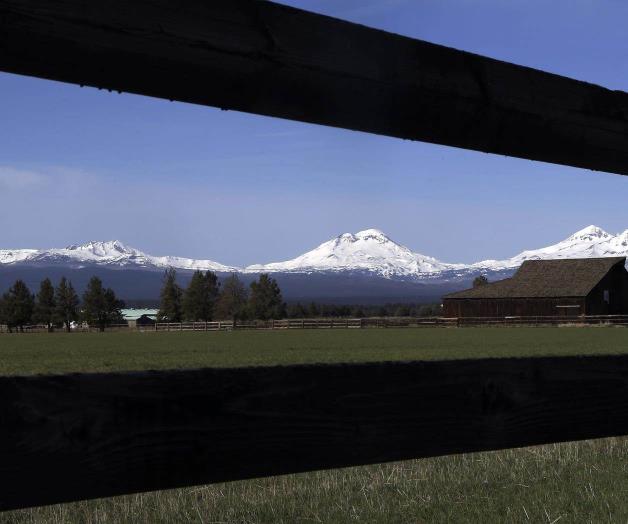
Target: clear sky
(170,178)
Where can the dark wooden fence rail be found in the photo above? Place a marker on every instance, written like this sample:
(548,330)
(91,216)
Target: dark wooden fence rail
(392,322)
(270,59)
(81,436)
(71,437)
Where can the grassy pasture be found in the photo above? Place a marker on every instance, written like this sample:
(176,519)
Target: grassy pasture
(559,483)
(570,482)
(116,351)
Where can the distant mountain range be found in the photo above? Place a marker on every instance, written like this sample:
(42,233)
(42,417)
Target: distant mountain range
(371,251)
(112,254)
(365,265)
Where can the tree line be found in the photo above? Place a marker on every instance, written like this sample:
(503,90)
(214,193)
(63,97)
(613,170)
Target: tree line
(60,306)
(316,310)
(205,299)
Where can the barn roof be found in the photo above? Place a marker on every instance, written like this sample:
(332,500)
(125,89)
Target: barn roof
(546,279)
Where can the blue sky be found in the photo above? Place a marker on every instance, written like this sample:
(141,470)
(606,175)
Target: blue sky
(169,178)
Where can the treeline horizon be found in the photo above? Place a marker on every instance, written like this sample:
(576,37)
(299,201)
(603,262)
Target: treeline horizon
(204,299)
(60,306)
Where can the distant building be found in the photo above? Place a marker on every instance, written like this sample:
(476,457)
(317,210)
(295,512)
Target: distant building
(566,287)
(139,317)
(146,320)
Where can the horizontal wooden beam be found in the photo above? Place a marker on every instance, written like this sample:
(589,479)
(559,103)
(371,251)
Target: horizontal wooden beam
(270,59)
(65,438)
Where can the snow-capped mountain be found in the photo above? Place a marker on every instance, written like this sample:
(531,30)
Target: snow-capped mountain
(369,252)
(373,252)
(113,254)
(590,242)
(366,251)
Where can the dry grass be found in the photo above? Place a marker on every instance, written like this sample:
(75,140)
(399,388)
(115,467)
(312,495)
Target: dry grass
(570,482)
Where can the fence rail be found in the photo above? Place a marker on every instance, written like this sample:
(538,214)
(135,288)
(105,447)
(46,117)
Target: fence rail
(72,437)
(41,328)
(357,323)
(388,322)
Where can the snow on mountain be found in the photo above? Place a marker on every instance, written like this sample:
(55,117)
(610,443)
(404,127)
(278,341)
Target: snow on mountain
(12,256)
(369,250)
(590,242)
(112,254)
(372,251)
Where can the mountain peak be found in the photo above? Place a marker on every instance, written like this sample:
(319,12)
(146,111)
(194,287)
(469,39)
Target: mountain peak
(111,253)
(590,233)
(371,233)
(590,242)
(100,248)
(369,251)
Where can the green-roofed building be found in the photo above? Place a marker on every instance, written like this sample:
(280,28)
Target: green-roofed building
(140,317)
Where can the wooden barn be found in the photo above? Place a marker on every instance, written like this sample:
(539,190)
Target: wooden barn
(567,287)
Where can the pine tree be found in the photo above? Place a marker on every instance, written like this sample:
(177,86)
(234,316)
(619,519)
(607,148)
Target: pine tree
(170,306)
(313,311)
(67,303)
(266,301)
(94,303)
(45,304)
(100,305)
(199,298)
(480,281)
(296,311)
(19,304)
(4,313)
(231,302)
(357,312)
(113,307)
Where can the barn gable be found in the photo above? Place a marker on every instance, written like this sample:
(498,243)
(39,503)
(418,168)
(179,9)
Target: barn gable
(566,287)
(547,279)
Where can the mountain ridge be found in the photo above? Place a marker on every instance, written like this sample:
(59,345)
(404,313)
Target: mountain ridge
(367,252)
(110,253)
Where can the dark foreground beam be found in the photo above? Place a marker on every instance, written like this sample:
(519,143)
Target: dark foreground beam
(274,60)
(73,437)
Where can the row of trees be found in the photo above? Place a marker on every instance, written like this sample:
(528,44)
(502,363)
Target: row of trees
(314,310)
(205,299)
(60,306)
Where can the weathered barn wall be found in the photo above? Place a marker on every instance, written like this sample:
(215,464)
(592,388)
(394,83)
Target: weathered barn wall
(550,288)
(506,307)
(616,284)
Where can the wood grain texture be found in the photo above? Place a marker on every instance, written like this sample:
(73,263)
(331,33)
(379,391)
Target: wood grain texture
(269,59)
(72,437)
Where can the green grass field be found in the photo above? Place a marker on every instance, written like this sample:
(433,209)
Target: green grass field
(84,352)
(571,482)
